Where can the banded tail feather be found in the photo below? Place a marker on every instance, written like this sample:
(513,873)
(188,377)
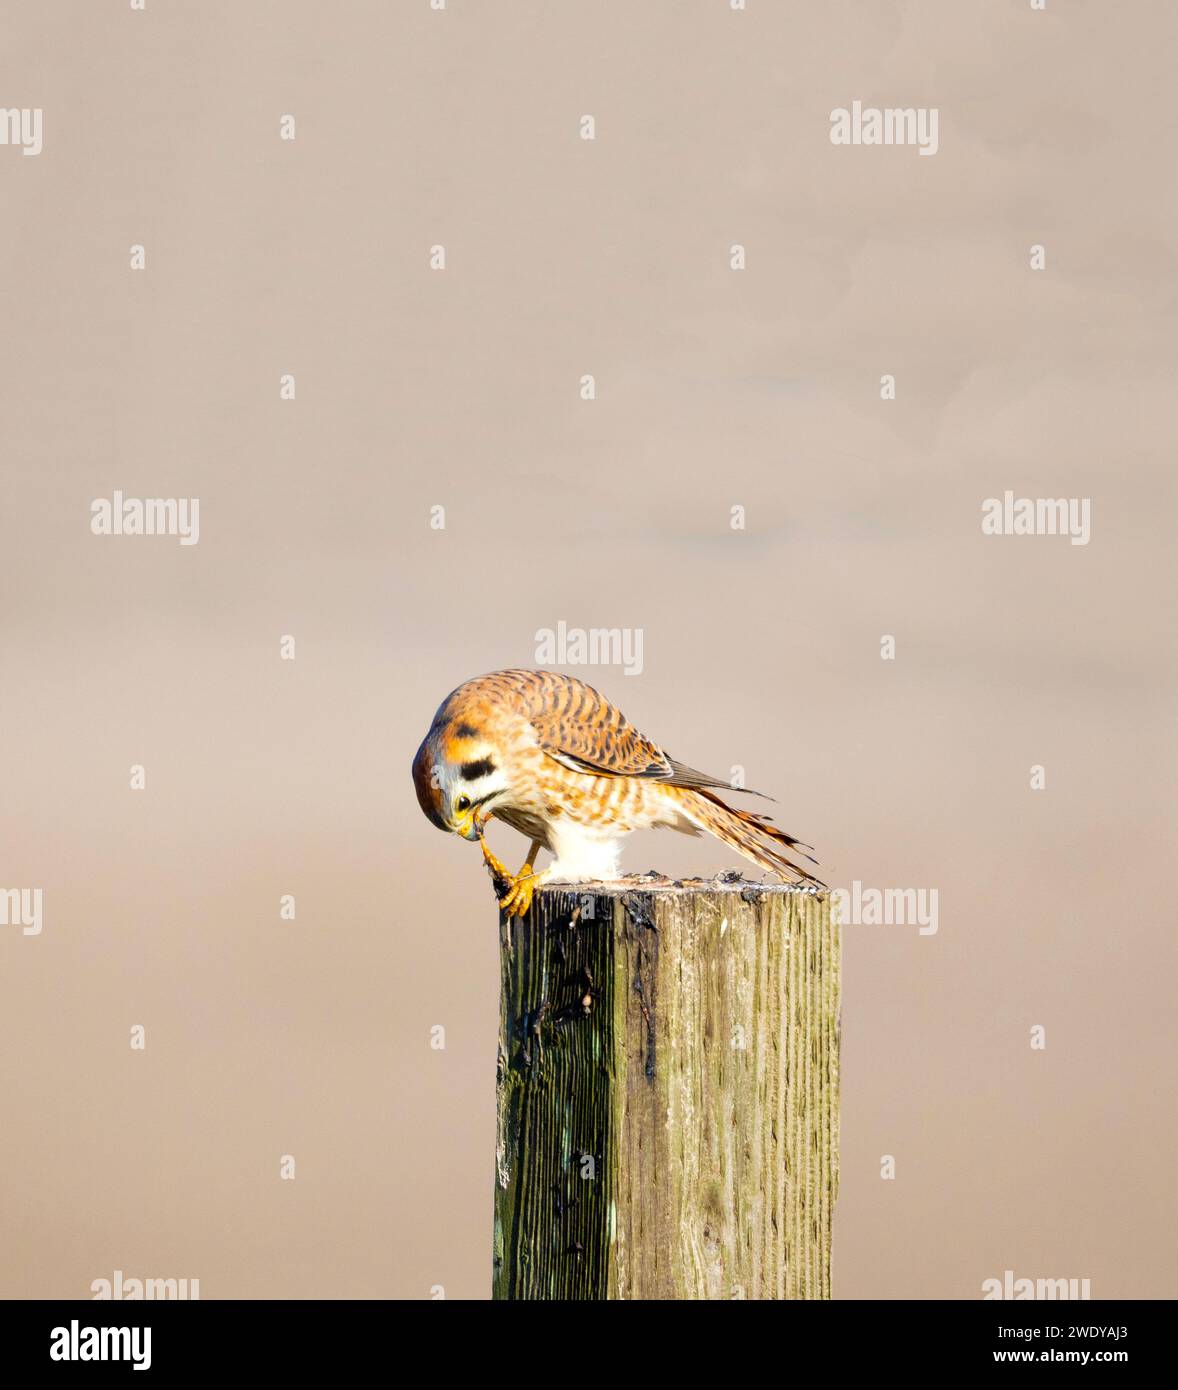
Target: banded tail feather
(752,835)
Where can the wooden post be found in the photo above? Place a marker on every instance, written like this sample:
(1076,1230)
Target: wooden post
(668,1086)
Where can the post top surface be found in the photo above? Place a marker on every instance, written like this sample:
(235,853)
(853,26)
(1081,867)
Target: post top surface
(731,881)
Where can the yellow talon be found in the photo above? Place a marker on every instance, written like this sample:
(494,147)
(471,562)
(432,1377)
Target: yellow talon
(520,890)
(520,887)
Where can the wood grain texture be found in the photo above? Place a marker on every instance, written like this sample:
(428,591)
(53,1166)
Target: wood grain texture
(668,1081)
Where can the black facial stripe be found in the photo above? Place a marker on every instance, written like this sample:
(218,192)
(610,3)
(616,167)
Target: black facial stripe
(471,772)
(466,731)
(490,796)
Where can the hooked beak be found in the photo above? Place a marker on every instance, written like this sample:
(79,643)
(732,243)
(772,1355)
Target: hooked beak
(470,827)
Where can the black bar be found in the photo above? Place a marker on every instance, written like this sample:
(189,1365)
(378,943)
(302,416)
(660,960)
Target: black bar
(349,1336)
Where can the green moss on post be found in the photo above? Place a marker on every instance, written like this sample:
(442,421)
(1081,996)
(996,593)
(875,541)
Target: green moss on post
(668,1093)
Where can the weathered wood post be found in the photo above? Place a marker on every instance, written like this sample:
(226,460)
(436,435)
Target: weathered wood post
(668,1085)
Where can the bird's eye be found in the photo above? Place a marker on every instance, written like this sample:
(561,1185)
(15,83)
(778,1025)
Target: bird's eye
(462,804)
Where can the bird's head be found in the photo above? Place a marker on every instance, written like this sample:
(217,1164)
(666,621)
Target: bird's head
(458,777)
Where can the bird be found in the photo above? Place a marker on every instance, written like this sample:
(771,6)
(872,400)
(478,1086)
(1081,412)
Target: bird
(557,761)
(554,759)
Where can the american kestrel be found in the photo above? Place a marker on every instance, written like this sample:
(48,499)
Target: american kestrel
(557,761)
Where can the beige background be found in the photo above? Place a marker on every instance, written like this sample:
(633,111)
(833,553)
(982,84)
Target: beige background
(459,388)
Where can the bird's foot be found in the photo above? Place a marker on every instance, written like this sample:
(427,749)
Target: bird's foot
(514,891)
(497,866)
(520,890)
